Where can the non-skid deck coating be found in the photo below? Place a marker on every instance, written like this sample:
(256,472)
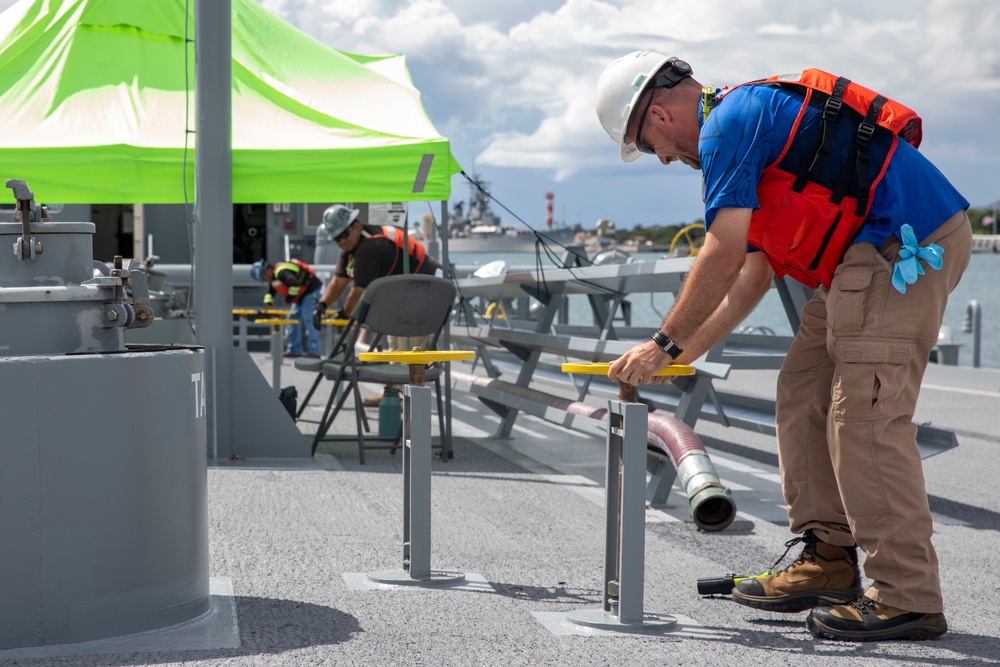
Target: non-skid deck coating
(526,514)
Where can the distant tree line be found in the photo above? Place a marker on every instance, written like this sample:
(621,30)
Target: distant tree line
(982,220)
(657,235)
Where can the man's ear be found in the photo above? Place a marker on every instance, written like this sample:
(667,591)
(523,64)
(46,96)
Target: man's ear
(660,115)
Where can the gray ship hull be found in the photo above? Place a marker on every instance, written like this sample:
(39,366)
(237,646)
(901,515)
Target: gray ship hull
(505,243)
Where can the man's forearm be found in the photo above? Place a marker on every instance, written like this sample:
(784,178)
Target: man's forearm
(333,291)
(705,288)
(352,299)
(746,292)
(708,299)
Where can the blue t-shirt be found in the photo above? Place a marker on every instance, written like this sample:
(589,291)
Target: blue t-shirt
(747,131)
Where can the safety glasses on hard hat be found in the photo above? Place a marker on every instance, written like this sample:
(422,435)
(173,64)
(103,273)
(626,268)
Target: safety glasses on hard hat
(639,143)
(677,71)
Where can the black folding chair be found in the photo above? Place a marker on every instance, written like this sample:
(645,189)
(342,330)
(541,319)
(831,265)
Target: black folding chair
(347,334)
(404,305)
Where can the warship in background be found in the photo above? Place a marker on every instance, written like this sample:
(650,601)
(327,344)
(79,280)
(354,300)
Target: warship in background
(479,229)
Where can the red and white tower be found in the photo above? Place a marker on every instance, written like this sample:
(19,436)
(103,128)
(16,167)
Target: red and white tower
(548,210)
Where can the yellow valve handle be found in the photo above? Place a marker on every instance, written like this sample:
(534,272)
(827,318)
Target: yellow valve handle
(496,309)
(260,311)
(418,356)
(601,368)
(694,241)
(337,322)
(277,321)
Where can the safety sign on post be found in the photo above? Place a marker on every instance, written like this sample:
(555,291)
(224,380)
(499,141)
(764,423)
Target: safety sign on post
(391,213)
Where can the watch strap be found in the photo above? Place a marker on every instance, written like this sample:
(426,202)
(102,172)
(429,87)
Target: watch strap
(667,345)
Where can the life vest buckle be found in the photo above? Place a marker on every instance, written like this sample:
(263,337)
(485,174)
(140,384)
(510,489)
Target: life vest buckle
(865,133)
(832,108)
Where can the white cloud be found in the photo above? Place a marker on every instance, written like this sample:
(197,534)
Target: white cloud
(512,83)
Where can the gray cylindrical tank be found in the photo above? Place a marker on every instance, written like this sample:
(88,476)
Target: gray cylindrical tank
(103,495)
(326,251)
(103,473)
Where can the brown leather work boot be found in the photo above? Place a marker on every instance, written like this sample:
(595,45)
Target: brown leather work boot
(865,620)
(823,574)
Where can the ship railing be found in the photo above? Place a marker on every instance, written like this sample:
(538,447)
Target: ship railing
(532,348)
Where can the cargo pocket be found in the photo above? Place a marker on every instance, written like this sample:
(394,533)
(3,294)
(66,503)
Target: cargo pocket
(846,301)
(872,382)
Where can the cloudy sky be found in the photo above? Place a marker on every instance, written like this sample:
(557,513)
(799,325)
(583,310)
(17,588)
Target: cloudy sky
(511,83)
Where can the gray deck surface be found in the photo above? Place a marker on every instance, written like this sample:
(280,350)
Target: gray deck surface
(526,514)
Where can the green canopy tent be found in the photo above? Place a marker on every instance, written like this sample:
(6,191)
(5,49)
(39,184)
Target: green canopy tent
(97,101)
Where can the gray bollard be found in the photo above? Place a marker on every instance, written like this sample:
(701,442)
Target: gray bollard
(625,525)
(417,451)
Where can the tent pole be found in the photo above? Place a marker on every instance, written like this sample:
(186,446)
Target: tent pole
(213,250)
(446,345)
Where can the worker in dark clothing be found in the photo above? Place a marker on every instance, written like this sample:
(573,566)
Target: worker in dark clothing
(297,282)
(368,252)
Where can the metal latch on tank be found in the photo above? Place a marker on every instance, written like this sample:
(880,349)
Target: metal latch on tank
(124,279)
(25,247)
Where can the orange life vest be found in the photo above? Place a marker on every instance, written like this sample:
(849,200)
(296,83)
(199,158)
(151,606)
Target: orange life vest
(808,218)
(295,292)
(415,248)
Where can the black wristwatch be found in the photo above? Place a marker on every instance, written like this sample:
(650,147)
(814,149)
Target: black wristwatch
(667,345)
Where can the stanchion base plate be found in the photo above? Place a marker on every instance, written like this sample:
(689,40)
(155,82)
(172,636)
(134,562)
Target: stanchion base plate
(402,578)
(604,620)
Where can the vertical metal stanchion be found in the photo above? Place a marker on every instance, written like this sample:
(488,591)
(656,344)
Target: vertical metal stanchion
(632,512)
(417,448)
(327,339)
(625,518)
(417,457)
(612,512)
(243,314)
(277,347)
(243,332)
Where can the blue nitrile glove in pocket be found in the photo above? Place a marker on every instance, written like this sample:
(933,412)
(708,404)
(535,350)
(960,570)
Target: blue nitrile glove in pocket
(908,267)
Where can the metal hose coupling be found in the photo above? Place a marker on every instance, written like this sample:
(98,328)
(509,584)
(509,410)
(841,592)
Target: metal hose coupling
(710,503)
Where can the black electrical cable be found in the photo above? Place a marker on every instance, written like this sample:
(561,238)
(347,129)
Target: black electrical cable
(543,243)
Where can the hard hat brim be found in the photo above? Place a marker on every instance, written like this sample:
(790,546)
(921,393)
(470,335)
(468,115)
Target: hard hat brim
(630,152)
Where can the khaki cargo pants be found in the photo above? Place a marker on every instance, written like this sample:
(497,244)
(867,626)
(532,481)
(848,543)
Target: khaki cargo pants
(850,469)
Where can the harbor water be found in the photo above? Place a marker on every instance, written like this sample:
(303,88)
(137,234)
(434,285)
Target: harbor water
(977,286)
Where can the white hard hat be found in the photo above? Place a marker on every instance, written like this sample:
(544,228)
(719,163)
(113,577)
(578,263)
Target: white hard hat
(336,219)
(619,88)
